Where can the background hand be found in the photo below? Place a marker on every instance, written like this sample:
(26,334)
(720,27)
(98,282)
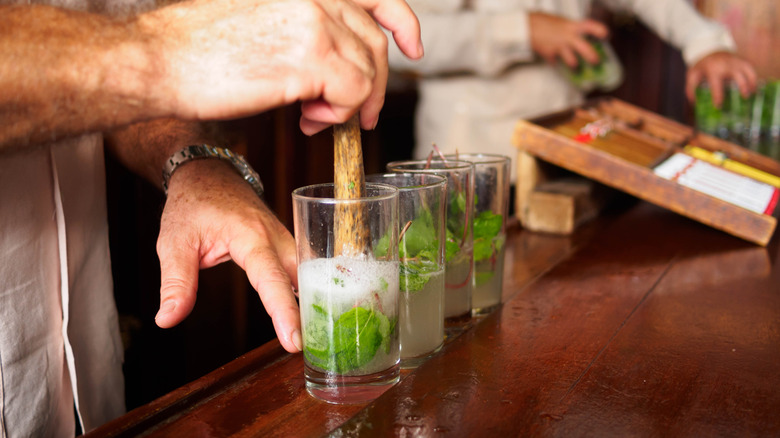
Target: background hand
(554,37)
(717,69)
(212,216)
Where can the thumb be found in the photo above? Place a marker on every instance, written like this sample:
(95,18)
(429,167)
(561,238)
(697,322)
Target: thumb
(178,284)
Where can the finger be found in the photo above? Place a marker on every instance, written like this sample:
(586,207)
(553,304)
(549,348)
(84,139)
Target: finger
(346,85)
(397,17)
(287,253)
(594,28)
(324,112)
(311,127)
(586,51)
(751,79)
(741,81)
(568,57)
(376,42)
(275,289)
(717,83)
(179,265)
(692,81)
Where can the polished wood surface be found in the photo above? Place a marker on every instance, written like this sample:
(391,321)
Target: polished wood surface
(642,323)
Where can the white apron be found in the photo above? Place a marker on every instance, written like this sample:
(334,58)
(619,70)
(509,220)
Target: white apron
(59,332)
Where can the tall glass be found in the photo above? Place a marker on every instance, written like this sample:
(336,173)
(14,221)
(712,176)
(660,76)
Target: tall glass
(421,211)
(459,261)
(709,118)
(348,301)
(491,207)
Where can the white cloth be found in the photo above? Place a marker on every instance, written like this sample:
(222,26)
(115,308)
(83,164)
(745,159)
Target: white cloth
(59,332)
(479,75)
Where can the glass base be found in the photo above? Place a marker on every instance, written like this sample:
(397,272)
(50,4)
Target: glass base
(413,362)
(481,311)
(350,389)
(455,325)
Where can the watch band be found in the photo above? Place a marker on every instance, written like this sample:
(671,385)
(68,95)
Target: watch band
(200,151)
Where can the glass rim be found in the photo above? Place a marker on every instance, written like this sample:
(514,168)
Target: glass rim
(488,157)
(297,194)
(459,165)
(437,180)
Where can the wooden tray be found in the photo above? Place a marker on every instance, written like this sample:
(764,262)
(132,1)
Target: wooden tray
(625,159)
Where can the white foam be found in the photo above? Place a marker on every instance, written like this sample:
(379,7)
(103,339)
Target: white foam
(344,282)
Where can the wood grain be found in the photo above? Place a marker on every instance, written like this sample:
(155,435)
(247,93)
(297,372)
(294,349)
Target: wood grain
(351,226)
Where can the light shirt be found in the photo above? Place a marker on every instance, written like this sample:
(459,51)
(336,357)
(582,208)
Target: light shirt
(59,332)
(479,75)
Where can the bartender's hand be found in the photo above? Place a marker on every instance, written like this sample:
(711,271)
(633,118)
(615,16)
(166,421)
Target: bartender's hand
(718,69)
(554,37)
(211,216)
(231,58)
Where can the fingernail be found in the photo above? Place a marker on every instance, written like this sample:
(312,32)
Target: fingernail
(420,49)
(165,308)
(296,339)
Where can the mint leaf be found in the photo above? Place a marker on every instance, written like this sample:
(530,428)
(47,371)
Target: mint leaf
(316,339)
(420,236)
(481,278)
(483,249)
(356,338)
(451,246)
(415,274)
(487,225)
(380,249)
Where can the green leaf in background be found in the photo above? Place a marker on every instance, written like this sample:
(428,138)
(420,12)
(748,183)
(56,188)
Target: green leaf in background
(380,249)
(481,278)
(451,246)
(487,225)
(414,275)
(420,236)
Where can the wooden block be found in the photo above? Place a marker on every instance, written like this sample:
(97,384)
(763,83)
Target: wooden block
(560,206)
(529,175)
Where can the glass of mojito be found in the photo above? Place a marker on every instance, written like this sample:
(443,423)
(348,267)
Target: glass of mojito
(605,75)
(459,262)
(709,118)
(348,302)
(421,211)
(491,206)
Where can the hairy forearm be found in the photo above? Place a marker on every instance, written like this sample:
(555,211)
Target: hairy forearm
(64,73)
(144,147)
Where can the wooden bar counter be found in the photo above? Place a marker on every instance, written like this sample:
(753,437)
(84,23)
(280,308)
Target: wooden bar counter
(642,323)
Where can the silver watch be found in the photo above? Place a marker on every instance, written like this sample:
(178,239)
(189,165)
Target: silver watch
(199,151)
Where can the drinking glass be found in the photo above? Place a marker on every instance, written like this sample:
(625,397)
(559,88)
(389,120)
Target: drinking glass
(491,207)
(421,211)
(459,261)
(348,299)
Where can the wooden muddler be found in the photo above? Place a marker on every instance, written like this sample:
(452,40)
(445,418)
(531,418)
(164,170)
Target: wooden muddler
(351,225)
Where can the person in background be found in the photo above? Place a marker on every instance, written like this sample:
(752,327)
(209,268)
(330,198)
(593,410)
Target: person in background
(142,80)
(491,63)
